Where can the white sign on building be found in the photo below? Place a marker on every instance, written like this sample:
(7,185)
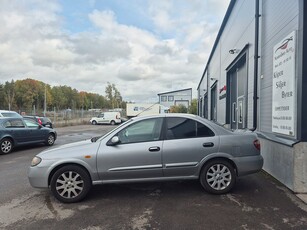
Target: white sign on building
(284,90)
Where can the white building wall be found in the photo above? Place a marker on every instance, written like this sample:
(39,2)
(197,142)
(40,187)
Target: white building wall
(278,19)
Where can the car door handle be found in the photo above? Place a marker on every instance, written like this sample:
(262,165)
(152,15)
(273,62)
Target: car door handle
(208,144)
(154,149)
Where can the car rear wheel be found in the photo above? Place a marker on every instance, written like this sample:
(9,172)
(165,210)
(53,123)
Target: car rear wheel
(94,122)
(70,184)
(6,146)
(50,140)
(218,176)
(112,122)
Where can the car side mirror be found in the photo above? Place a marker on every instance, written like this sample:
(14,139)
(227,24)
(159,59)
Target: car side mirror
(114,141)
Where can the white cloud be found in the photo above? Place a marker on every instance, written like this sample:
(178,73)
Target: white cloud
(35,43)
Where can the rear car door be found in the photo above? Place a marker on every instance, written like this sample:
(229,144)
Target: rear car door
(137,156)
(17,130)
(187,142)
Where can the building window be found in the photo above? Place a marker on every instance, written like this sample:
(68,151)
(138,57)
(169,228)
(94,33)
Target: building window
(170,98)
(163,98)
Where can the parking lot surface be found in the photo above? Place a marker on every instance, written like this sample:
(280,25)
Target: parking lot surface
(257,201)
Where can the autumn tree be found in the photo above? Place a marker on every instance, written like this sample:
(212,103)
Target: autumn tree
(27,94)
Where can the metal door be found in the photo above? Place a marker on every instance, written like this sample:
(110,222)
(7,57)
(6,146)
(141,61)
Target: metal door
(238,92)
(233,100)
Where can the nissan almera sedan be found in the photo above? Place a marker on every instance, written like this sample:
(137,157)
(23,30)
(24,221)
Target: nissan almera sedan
(153,148)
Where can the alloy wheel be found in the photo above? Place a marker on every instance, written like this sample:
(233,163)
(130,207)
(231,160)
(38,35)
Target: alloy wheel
(218,177)
(6,146)
(69,184)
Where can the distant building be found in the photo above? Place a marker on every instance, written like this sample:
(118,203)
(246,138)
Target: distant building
(178,97)
(256,78)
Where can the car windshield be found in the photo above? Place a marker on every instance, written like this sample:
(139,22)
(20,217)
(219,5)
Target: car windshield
(94,139)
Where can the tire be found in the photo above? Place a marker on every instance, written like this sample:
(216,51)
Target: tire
(112,122)
(94,122)
(70,184)
(50,140)
(218,176)
(6,146)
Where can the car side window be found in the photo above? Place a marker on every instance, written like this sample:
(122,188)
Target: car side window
(31,124)
(180,128)
(203,130)
(14,124)
(142,131)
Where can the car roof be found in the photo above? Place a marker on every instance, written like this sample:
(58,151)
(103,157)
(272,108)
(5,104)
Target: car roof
(9,112)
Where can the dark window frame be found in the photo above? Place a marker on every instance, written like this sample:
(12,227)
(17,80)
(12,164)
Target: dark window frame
(165,129)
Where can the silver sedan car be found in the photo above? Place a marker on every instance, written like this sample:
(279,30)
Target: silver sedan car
(153,148)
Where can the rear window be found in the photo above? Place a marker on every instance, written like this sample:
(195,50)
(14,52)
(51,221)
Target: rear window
(8,114)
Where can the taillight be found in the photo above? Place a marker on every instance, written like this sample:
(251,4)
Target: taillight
(39,121)
(117,117)
(257,144)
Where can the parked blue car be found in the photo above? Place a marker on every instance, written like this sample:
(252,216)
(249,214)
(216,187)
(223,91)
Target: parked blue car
(20,131)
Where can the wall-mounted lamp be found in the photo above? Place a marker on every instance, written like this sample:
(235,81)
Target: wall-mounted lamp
(234,51)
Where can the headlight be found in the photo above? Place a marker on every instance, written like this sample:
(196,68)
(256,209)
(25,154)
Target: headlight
(35,161)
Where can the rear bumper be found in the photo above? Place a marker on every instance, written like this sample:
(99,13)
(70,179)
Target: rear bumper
(248,165)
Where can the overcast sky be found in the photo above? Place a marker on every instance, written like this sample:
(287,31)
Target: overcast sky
(144,47)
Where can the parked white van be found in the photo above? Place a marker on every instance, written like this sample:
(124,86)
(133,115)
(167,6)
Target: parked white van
(107,118)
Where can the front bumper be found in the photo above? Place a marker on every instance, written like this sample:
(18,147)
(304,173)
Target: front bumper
(38,177)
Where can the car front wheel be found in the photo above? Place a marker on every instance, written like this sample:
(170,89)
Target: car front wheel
(218,177)
(70,184)
(6,146)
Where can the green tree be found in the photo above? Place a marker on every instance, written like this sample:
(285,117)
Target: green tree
(193,107)
(2,98)
(9,93)
(178,109)
(113,95)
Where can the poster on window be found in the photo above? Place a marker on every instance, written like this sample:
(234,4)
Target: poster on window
(284,90)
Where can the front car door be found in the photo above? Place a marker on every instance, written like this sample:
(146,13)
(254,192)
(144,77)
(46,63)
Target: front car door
(34,131)
(187,142)
(136,156)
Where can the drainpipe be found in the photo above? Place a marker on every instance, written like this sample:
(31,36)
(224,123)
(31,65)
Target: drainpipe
(256,57)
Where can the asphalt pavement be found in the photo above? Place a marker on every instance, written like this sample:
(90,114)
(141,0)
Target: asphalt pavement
(258,201)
